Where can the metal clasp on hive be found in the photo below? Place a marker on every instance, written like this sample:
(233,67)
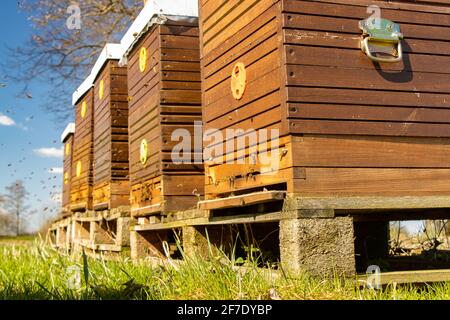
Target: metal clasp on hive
(238,80)
(383,37)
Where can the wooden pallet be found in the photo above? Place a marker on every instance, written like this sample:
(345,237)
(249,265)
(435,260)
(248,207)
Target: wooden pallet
(298,207)
(106,233)
(243,200)
(60,234)
(291,212)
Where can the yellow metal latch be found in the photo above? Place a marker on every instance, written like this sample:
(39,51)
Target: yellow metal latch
(101,89)
(67,149)
(238,80)
(381,40)
(78,169)
(144,152)
(83,109)
(143,59)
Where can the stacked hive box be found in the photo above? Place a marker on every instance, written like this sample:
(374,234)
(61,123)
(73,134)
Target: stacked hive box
(60,233)
(348,127)
(111,177)
(162,53)
(355,135)
(67,140)
(82,176)
(162,49)
(105,231)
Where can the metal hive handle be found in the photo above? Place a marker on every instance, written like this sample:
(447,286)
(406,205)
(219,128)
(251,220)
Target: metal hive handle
(382,31)
(366,50)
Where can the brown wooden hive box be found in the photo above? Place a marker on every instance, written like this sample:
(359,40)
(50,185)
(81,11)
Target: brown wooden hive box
(82,179)
(110,162)
(348,126)
(164,95)
(67,140)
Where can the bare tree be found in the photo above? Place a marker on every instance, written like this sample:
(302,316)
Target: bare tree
(6,224)
(67,37)
(15,203)
(434,234)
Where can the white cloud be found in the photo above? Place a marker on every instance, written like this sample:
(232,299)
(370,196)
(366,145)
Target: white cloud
(56,170)
(6,121)
(49,152)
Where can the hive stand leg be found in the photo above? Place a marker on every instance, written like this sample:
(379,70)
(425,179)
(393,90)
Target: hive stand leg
(76,238)
(137,249)
(68,238)
(123,232)
(195,243)
(58,236)
(73,239)
(371,243)
(319,247)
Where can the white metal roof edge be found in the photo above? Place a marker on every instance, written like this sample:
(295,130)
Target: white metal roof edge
(70,129)
(112,51)
(82,89)
(153,8)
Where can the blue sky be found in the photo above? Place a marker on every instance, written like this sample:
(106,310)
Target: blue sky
(29,136)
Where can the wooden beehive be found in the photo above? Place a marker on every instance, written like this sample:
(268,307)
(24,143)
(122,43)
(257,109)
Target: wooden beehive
(165,95)
(67,140)
(81,188)
(110,171)
(348,126)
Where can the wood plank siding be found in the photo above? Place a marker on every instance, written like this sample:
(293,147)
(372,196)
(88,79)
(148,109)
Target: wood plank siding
(111,173)
(348,126)
(67,172)
(164,97)
(82,175)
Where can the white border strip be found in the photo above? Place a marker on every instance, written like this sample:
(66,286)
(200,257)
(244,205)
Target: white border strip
(112,51)
(70,129)
(153,8)
(87,84)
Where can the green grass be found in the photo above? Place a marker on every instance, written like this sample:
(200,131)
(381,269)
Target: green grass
(19,238)
(37,272)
